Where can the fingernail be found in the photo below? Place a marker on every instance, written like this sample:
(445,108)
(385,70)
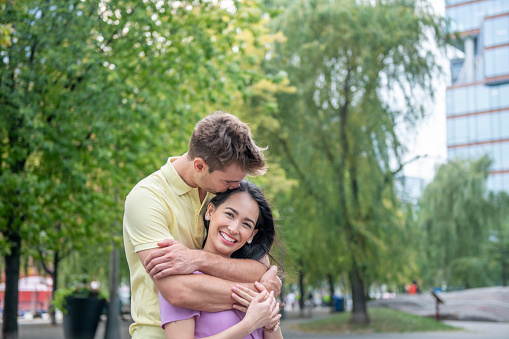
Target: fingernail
(234,288)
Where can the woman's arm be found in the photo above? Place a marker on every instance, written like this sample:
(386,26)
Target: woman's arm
(182,329)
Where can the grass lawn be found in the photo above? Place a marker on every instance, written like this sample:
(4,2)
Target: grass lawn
(382,320)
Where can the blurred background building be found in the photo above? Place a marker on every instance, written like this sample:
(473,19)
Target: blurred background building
(477,102)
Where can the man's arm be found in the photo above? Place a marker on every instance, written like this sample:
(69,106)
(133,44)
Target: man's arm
(174,258)
(199,292)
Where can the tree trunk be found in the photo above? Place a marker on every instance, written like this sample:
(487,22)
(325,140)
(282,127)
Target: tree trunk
(504,273)
(359,311)
(54,276)
(12,267)
(113,323)
(302,293)
(503,263)
(331,289)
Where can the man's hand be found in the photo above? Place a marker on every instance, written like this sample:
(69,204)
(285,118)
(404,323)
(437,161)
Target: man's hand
(271,281)
(171,259)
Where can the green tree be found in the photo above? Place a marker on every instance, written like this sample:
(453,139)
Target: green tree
(454,217)
(5,28)
(498,241)
(337,134)
(93,96)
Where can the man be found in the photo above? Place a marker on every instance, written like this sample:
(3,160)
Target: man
(163,226)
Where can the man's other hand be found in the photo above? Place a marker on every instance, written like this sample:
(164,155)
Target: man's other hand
(271,281)
(171,258)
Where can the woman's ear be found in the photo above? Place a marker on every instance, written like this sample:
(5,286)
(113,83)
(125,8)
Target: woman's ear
(252,235)
(210,210)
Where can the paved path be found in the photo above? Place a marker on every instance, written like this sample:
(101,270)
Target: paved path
(40,329)
(477,304)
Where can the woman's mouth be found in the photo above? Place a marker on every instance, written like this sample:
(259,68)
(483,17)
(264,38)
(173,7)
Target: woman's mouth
(228,238)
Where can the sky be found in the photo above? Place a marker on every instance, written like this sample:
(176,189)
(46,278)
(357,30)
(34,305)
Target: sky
(429,136)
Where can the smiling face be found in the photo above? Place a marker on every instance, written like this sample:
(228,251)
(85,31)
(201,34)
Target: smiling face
(232,224)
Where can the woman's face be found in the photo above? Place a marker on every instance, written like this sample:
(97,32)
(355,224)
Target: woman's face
(232,224)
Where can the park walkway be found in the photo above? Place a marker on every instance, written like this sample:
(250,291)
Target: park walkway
(476,304)
(40,329)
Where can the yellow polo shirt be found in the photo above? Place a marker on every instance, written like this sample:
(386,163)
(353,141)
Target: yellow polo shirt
(161,206)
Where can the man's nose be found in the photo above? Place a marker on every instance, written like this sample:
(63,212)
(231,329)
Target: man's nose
(234,185)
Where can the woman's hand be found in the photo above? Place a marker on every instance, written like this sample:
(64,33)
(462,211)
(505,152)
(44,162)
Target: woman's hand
(262,310)
(244,295)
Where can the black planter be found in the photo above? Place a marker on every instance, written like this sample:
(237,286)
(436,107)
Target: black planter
(82,317)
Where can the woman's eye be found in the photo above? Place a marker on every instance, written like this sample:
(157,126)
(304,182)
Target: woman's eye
(229,214)
(247,225)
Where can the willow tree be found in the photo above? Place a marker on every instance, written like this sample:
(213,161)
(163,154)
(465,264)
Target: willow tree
(455,217)
(337,135)
(95,95)
(498,248)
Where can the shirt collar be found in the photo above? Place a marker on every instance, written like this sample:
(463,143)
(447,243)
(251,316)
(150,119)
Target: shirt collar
(173,178)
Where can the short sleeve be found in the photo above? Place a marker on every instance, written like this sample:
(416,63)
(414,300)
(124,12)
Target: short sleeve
(146,219)
(170,313)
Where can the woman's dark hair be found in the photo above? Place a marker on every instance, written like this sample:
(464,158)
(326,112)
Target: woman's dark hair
(264,238)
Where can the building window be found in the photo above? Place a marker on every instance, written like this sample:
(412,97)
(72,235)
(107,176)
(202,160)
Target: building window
(496,62)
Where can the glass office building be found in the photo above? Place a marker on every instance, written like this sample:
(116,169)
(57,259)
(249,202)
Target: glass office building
(477,101)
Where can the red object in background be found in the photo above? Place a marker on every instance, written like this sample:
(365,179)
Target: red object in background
(412,289)
(34,294)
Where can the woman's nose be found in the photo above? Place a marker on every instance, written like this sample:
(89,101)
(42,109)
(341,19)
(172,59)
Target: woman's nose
(233,228)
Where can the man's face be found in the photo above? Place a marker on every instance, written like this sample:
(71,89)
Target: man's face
(220,181)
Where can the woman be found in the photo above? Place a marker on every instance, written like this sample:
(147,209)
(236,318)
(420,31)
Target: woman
(239,224)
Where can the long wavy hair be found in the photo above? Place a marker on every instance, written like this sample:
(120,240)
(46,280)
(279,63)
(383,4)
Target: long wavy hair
(264,238)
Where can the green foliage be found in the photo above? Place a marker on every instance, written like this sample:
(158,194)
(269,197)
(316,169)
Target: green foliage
(78,289)
(336,135)
(498,241)
(5,28)
(96,95)
(456,218)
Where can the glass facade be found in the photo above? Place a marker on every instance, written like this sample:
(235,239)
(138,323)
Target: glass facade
(477,102)
(468,15)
